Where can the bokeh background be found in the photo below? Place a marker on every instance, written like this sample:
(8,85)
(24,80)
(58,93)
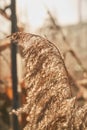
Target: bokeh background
(63,22)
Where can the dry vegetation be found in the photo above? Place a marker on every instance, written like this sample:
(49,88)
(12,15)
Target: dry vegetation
(56,95)
(50,105)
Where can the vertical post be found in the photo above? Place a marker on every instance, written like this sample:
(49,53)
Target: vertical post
(14,64)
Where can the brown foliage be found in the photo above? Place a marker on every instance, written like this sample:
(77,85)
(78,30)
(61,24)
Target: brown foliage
(50,105)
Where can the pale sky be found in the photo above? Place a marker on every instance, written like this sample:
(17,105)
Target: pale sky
(66,11)
(33,12)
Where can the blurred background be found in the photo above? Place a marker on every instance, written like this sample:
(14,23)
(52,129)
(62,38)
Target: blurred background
(63,22)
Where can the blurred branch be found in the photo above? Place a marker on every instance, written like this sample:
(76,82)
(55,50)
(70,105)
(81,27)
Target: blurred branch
(4,14)
(80,11)
(3,33)
(57,26)
(76,58)
(6,7)
(5,60)
(66,41)
(4,44)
